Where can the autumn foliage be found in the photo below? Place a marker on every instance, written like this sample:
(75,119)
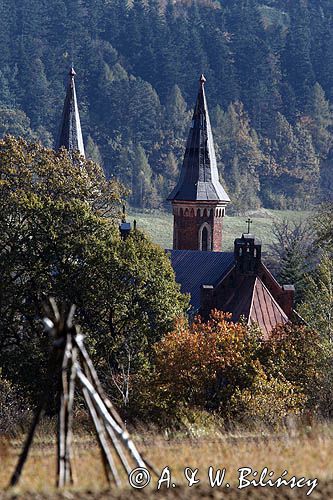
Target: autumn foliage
(228,368)
(198,360)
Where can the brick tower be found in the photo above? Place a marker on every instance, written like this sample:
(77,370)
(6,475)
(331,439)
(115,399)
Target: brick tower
(199,200)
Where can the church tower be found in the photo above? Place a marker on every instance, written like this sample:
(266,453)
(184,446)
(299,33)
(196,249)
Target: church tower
(199,200)
(70,134)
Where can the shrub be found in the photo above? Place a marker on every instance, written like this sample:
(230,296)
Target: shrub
(223,367)
(13,407)
(268,400)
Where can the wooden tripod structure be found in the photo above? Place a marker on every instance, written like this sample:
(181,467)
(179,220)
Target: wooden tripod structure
(70,361)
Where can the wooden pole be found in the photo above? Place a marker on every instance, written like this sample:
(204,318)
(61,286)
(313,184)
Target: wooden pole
(52,367)
(109,430)
(69,420)
(109,465)
(25,452)
(96,382)
(62,466)
(102,410)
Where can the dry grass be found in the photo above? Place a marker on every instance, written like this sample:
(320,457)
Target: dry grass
(303,453)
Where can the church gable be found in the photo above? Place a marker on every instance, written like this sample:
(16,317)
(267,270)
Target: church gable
(264,310)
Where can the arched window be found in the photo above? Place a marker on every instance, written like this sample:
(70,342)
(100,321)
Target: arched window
(205,237)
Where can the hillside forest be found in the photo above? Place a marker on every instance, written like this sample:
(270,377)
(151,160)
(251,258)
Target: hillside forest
(269,70)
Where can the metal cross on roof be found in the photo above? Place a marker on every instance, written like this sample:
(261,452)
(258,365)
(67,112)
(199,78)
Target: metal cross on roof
(248,222)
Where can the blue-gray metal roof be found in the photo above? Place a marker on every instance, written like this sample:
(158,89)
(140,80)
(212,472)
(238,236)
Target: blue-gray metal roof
(194,268)
(199,178)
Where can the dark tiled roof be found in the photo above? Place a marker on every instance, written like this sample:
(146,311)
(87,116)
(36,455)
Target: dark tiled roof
(199,178)
(194,268)
(70,134)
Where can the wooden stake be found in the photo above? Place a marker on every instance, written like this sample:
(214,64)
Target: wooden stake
(102,410)
(39,412)
(96,382)
(69,423)
(109,465)
(25,452)
(109,429)
(62,468)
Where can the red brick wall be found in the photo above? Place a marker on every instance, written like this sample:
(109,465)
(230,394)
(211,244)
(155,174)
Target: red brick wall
(187,223)
(217,234)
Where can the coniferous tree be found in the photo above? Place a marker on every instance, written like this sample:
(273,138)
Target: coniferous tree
(321,120)
(138,64)
(297,56)
(141,178)
(317,305)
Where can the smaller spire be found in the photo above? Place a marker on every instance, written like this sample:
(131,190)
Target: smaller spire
(70,134)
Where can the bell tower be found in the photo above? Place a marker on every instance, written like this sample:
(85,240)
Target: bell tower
(199,200)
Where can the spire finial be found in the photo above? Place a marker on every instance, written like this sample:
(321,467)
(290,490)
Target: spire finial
(72,72)
(202,80)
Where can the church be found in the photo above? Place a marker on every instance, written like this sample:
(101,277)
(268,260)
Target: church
(236,282)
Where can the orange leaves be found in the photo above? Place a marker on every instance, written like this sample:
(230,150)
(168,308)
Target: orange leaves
(192,358)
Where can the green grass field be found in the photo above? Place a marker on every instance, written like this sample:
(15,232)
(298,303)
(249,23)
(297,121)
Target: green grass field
(158,225)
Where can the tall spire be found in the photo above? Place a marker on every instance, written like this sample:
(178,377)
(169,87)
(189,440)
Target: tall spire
(70,134)
(199,179)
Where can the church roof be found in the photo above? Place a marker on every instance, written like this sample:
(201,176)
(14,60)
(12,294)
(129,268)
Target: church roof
(70,134)
(196,267)
(247,297)
(199,178)
(264,310)
(252,299)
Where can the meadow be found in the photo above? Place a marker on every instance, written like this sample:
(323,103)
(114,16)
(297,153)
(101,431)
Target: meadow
(159,225)
(305,452)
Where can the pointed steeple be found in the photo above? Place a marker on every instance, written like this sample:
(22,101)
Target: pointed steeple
(199,179)
(70,134)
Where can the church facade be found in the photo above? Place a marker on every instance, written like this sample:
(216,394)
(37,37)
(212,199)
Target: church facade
(236,282)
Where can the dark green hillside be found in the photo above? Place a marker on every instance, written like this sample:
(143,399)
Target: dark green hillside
(269,70)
